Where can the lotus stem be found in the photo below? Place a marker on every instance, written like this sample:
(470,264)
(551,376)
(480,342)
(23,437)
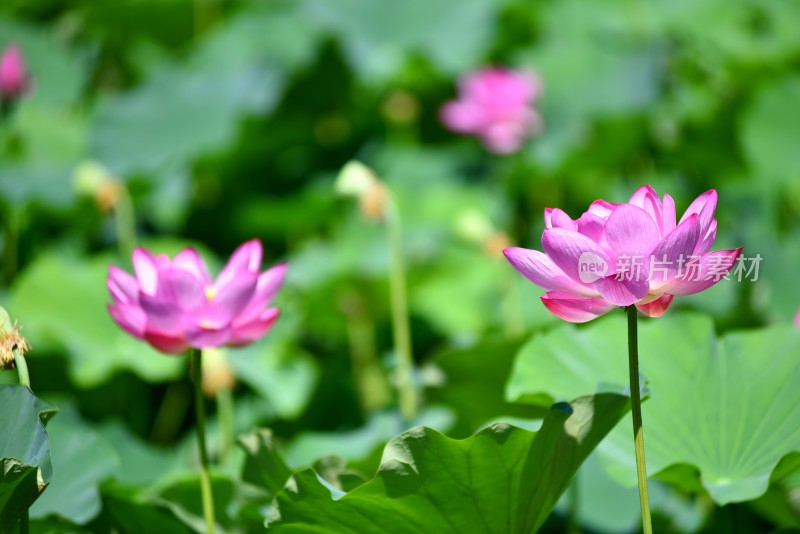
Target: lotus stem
(125,222)
(22,369)
(200,412)
(400,324)
(636,412)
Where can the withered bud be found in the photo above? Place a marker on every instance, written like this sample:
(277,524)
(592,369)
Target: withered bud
(373,202)
(94,180)
(10,340)
(217,372)
(357,180)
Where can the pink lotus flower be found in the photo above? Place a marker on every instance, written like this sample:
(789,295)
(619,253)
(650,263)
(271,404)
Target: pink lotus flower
(13,74)
(797,318)
(174,304)
(624,254)
(495,104)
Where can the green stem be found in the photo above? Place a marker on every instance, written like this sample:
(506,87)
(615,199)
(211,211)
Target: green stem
(573,515)
(125,223)
(225,409)
(400,325)
(24,523)
(22,369)
(200,412)
(636,412)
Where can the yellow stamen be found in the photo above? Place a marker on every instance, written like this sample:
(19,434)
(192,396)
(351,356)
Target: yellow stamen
(211,293)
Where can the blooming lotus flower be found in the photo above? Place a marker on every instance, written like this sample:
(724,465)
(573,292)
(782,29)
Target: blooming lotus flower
(495,104)
(797,318)
(625,254)
(13,74)
(174,304)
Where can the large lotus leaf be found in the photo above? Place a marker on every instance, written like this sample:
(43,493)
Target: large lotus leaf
(176,116)
(379,37)
(769,127)
(264,466)
(25,467)
(503,479)
(721,405)
(81,460)
(62,302)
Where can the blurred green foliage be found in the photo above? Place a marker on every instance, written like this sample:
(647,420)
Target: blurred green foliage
(228,119)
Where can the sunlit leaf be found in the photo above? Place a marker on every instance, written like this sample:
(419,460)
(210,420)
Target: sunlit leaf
(502,479)
(718,404)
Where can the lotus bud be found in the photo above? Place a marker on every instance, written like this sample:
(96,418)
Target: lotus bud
(14,80)
(10,340)
(357,180)
(93,179)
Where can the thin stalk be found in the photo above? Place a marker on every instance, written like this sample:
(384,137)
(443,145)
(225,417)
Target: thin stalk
(636,411)
(25,380)
(200,412)
(400,325)
(225,409)
(22,369)
(125,222)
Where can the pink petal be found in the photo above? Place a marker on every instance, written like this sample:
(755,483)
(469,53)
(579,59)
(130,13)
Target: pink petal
(249,331)
(656,308)
(123,287)
(630,231)
(183,288)
(189,260)
(556,218)
(705,244)
(231,299)
(623,292)
(462,117)
(246,258)
(602,208)
(703,272)
(570,250)
(680,243)
(573,308)
(202,338)
(144,264)
(163,314)
(705,205)
(797,318)
(639,197)
(170,344)
(539,269)
(502,137)
(591,226)
(130,318)
(269,282)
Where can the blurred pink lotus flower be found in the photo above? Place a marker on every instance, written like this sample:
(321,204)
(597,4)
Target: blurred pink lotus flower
(623,254)
(496,105)
(13,73)
(174,304)
(797,318)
